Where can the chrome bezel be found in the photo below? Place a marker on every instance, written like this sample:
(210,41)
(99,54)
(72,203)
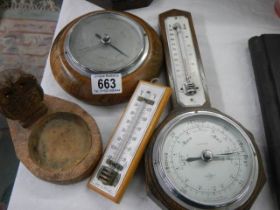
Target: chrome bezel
(127,68)
(167,186)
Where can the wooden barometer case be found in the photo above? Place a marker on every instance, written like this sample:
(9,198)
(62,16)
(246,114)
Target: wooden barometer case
(55,139)
(105,43)
(198,158)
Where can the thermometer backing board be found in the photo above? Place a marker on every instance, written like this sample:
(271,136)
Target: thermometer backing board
(129,140)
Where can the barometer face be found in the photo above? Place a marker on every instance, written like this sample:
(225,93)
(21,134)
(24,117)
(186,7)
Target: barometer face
(204,159)
(106,42)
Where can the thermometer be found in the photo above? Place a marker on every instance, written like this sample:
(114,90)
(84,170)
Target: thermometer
(129,140)
(184,63)
(199,158)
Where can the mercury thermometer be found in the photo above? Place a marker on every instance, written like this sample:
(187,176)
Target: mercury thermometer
(129,140)
(199,158)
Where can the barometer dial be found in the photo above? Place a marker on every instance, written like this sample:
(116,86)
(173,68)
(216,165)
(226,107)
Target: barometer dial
(106,43)
(206,159)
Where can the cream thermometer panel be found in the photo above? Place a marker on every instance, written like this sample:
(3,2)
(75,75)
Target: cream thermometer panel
(185,74)
(131,136)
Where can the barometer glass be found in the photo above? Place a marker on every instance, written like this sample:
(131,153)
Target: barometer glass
(106,42)
(206,158)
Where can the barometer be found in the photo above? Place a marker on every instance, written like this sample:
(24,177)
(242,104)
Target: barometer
(100,57)
(199,158)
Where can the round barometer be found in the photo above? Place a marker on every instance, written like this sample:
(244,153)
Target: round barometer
(105,44)
(203,159)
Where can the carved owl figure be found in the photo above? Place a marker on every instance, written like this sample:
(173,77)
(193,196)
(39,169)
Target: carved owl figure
(21,97)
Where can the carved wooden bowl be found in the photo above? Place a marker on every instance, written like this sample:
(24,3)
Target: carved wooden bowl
(59,141)
(63,146)
(55,139)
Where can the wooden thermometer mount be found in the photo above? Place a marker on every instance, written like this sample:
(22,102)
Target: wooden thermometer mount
(129,140)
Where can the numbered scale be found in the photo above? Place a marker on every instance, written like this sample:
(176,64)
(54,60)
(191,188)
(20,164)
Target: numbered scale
(199,158)
(100,57)
(129,140)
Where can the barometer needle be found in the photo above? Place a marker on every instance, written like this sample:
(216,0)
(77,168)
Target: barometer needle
(190,159)
(94,47)
(107,41)
(228,153)
(213,157)
(98,36)
(118,50)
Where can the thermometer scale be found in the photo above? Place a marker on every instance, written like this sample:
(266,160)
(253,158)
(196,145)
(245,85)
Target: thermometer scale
(199,158)
(129,140)
(189,87)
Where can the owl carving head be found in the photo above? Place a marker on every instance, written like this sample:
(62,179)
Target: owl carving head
(21,97)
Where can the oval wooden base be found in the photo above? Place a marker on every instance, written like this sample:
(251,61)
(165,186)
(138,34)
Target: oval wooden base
(80,86)
(63,146)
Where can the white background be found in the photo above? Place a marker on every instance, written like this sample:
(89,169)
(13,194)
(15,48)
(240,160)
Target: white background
(223,28)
